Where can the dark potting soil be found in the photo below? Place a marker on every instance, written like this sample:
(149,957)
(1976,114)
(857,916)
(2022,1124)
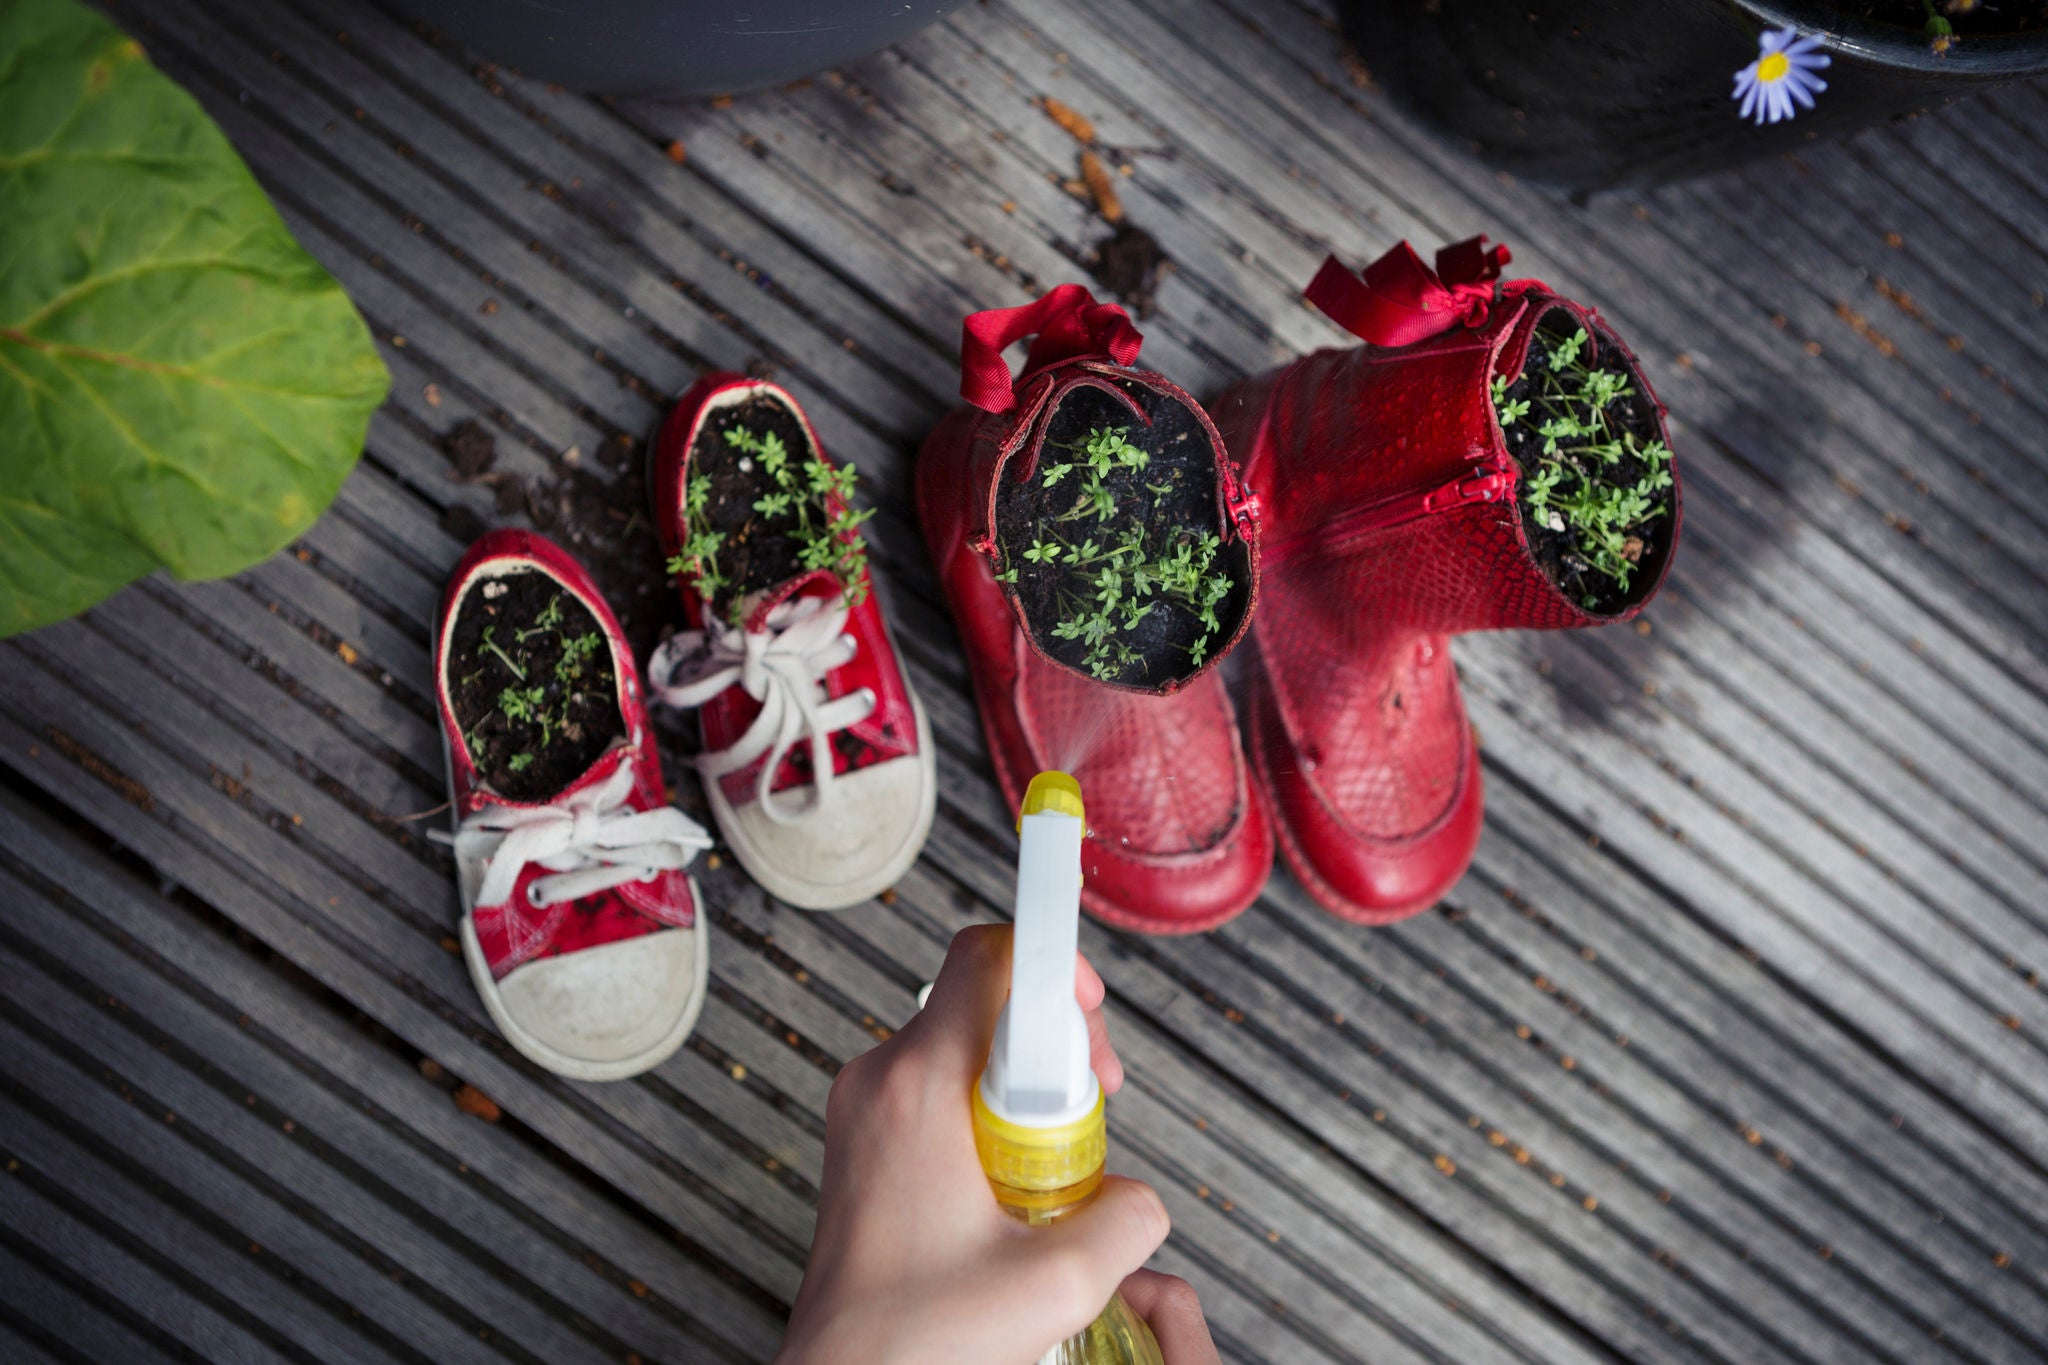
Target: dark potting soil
(567,702)
(1183,461)
(1986,18)
(760,551)
(1556,551)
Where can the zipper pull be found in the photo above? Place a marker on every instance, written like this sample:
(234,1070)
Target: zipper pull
(1239,501)
(1486,484)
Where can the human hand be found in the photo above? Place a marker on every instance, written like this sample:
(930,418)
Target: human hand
(1169,1307)
(913,1261)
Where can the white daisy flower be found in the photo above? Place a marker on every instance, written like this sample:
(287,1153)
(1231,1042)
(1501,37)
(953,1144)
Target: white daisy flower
(1786,69)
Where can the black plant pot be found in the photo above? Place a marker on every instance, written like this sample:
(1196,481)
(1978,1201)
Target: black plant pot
(677,47)
(1598,94)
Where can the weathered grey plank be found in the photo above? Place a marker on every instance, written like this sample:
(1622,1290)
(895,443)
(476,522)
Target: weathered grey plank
(1696,1010)
(276,1241)
(1683,1179)
(47,1313)
(375,1168)
(1977,476)
(1919,667)
(374,1109)
(1736,905)
(223,1302)
(2012,114)
(1962,945)
(1964,188)
(1940,802)
(1939,330)
(1763,912)
(15,1346)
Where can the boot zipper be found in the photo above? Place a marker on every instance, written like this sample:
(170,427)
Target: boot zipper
(1483,483)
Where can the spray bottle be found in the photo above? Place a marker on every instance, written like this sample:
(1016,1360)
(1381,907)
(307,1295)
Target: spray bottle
(1038,1109)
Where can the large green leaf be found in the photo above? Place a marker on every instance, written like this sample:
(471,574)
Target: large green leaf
(180,383)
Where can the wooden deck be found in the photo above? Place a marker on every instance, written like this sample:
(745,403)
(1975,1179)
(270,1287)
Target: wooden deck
(1730,1048)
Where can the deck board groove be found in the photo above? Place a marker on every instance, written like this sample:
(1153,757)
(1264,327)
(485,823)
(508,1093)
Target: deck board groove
(462,1151)
(1732,1038)
(91,1273)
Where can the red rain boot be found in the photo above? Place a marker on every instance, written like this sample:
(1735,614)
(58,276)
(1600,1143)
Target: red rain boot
(1393,519)
(1178,840)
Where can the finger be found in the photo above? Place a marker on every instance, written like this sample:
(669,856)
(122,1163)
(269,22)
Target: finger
(1088,1253)
(1169,1306)
(1109,1069)
(1089,990)
(1088,987)
(958,1022)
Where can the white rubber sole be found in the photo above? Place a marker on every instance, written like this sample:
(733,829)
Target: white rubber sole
(580,1068)
(808,894)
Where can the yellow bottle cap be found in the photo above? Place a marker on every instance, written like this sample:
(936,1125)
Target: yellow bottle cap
(1024,1161)
(1052,791)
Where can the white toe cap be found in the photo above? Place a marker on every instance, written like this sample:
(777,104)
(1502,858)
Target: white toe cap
(609,1011)
(861,845)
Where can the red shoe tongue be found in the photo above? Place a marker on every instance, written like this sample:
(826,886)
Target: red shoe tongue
(809,583)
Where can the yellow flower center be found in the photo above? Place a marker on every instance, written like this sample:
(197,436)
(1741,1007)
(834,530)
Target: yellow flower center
(1773,68)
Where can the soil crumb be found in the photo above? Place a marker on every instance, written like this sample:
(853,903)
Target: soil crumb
(1130,265)
(470,447)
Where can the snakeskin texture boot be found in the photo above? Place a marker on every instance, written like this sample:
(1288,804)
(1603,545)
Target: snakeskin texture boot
(1399,510)
(1084,464)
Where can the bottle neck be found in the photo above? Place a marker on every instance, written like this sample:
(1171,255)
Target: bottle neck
(1043,1206)
(1040,1174)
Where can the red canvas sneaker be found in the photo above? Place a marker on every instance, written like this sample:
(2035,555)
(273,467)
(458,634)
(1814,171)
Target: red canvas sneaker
(816,756)
(1086,465)
(1415,487)
(579,924)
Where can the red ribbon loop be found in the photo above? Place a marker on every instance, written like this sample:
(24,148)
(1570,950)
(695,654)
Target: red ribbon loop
(1069,325)
(1399,301)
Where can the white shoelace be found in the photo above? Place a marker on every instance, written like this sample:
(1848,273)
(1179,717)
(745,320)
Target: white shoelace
(783,667)
(590,840)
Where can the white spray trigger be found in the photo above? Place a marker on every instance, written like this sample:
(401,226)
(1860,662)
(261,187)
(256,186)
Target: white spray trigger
(1038,1073)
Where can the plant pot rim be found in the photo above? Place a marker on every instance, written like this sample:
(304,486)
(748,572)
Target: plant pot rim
(1031,423)
(2000,57)
(1511,348)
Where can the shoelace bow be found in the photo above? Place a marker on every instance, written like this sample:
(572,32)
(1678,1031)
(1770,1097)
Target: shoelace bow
(590,840)
(783,668)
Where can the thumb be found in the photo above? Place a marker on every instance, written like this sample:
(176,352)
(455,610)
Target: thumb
(1088,1253)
